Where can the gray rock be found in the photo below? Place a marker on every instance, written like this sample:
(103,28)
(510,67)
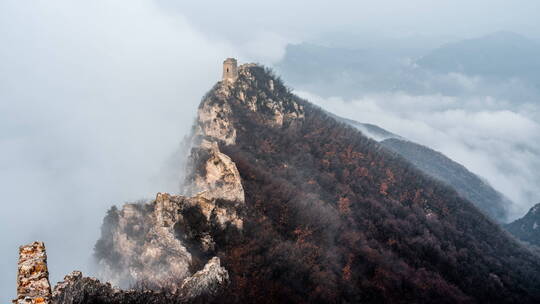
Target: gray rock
(207,282)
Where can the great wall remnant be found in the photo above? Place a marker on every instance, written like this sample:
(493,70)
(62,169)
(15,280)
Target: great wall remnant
(33,275)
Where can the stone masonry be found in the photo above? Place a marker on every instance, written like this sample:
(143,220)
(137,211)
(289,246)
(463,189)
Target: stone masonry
(230,70)
(33,276)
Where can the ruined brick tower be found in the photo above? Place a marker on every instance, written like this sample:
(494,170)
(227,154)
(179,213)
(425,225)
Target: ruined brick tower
(33,276)
(230,70)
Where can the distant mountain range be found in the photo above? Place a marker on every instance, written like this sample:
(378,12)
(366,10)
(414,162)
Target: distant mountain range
(500,55)
(330,69)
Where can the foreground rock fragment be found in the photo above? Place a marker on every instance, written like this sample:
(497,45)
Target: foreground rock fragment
(203,287)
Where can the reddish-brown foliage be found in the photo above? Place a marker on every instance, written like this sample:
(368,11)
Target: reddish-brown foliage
(347,221)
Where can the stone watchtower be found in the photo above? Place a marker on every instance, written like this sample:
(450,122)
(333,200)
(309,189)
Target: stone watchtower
(230,70)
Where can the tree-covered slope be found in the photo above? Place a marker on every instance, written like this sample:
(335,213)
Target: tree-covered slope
(333,216)
(437,165)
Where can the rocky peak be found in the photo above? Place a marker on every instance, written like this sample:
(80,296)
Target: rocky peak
(33,275)
(257,90)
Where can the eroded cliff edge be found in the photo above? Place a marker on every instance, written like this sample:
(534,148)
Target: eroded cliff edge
(162,243)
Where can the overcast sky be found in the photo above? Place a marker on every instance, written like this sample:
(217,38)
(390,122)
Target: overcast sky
(244,21)
(95,96)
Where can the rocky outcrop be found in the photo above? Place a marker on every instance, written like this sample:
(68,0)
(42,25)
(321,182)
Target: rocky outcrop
(214,120)
(152,243)
(75,289)
(209,281)
(203,287)
(255,89)
(33,275)
(214,174)
(138,244)
(261,92)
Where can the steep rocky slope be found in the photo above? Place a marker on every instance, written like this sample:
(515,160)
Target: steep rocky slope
(527,228)
(166,248)
(159,244)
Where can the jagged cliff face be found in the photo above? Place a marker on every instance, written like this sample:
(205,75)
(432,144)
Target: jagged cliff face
(138,243)
(158,244)
(213,175)
(153,244)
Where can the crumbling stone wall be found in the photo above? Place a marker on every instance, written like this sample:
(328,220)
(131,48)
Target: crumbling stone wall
(33,276)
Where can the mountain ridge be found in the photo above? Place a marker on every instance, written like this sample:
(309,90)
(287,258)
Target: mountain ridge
(322,213)
(499,54)
(527,228)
